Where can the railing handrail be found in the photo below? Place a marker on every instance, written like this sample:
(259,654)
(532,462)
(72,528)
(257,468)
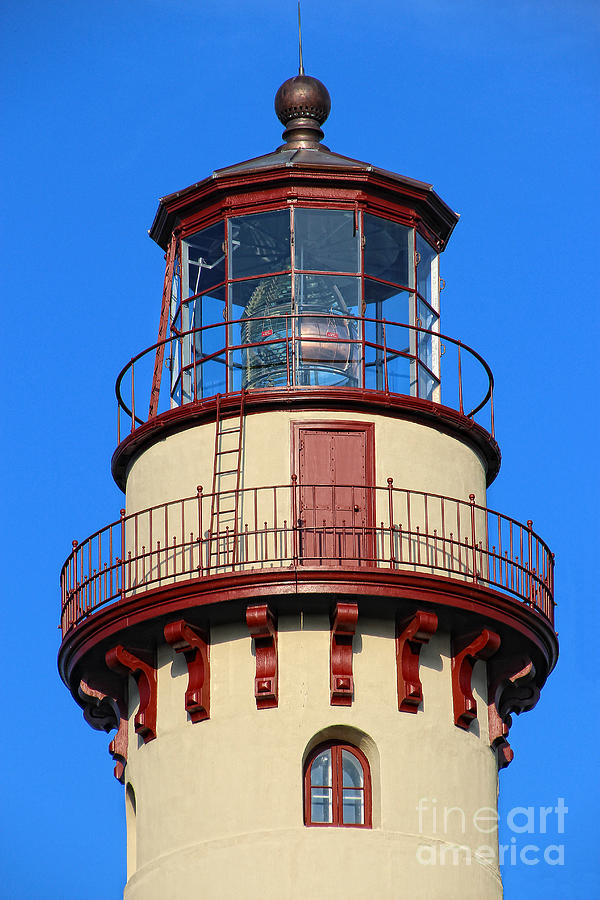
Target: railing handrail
(306,339)
(79,560)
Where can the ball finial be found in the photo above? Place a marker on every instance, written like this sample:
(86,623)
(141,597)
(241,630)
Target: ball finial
(302,104)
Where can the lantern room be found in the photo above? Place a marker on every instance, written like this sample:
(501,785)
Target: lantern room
(302,269)
(305,292)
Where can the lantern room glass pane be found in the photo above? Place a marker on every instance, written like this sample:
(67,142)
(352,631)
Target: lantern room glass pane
(326,240)
(427,383)
(261,297)
(387,344)
(261,313)
(199,354)
(426,255)
(387,250)
(382,301)
(259,243)
(328,340)
(203,260)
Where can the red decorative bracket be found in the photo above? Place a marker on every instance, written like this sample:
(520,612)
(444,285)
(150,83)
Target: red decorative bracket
(99,710)
(104,713)
(509,693)
(127,663)
(193,643)
(499,737)
(411,634)
(263,629)
(118,750)
(465,652)
(343,628)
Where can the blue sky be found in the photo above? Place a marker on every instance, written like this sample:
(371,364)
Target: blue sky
(109,105)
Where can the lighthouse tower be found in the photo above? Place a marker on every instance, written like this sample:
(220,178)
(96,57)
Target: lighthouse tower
(306,626)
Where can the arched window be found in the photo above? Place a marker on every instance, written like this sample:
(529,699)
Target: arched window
(337,787)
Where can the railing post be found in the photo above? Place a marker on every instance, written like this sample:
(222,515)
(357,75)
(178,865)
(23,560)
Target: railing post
(460,390)
(473,538)
(122,514)
(492,426)
(73,593)
(551,604)
(132,397)
(385,370)
(287,353)
(200,533)
(390,483)
(294,519)
(529,562)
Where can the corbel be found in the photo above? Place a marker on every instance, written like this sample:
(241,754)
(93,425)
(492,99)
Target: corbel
(118,748)
(263,629)
(193,643)
(411,633)
(100,711)
(343,628)
(521,693)
(125,662)
(104,713)
(466,650)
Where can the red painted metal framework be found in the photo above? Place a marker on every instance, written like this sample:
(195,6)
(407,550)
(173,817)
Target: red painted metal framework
(427,534)
(147,366)
(453,381)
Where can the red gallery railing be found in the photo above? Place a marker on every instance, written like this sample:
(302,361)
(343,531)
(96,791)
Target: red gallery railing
(297,525)
(306,351)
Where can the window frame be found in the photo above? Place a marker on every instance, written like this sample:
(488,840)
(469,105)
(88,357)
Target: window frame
(336,748)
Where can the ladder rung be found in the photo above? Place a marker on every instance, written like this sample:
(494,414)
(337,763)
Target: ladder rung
(230,430)
(227,472)
(223,452)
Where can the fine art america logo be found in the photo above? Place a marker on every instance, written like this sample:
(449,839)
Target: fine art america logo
(527,844)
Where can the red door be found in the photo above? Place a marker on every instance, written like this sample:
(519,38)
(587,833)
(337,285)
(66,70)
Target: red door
(335,505)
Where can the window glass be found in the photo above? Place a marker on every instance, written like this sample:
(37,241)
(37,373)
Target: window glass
(353,810)
(427,316)
(261,296)
(203,257)
(321,788)
(387,345)
(259,243)
(427,383)
(425,257)
(260,308)
(337,787)
(352,770)
(385,302)
(326,240)
(320,771)
(339,294)
(328,336)
(387,250)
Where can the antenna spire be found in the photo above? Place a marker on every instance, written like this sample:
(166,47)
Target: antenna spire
(300,61)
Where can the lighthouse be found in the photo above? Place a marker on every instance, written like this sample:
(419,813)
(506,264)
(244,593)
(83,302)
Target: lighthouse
(306,630)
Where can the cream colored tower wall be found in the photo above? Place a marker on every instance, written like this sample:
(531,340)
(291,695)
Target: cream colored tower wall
(415,456)
(219,803)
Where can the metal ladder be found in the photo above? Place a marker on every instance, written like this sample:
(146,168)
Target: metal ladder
(224,505)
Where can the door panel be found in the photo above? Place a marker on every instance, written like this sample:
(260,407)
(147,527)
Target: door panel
(334,504)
